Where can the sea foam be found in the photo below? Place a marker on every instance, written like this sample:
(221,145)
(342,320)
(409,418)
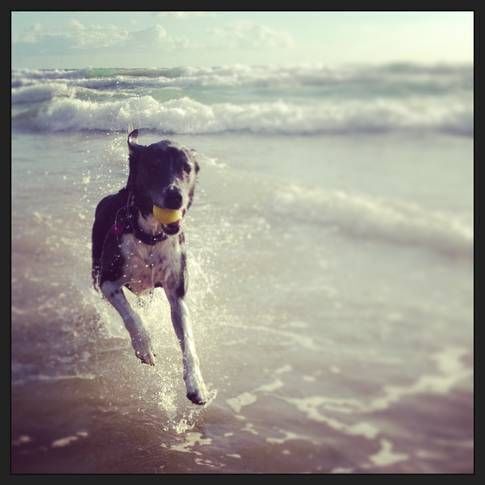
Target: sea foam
(377,218)
(186,115)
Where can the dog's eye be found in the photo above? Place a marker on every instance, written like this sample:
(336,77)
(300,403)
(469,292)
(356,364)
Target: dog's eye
(187,168)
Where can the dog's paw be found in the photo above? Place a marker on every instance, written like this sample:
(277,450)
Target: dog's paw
(196,397)
(143,348)
(146,358)
(196,390)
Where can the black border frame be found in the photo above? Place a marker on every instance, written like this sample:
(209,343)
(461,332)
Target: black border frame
(352,5)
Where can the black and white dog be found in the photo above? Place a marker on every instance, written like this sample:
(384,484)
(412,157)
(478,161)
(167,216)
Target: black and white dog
(131,249)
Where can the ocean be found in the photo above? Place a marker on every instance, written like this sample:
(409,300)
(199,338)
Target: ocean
(330,254)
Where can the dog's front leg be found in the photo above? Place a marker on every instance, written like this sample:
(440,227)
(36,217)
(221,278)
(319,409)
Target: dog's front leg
(196,390)
(139,336)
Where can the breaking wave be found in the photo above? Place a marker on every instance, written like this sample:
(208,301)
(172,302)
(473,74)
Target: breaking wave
(376,218)
(186,115)
(40,92)
(426,77)
(303,99)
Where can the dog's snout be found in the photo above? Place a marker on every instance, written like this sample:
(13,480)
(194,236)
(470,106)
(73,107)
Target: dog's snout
(173,198)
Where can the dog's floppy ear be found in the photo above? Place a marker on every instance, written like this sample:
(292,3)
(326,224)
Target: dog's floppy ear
(133,150)
(132,144)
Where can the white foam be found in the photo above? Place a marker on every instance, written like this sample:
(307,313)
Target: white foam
(208,463)
(249,428)
(288,436)
(443,78)
(240,401)
(378,218)
(341,469)
(270,387)
(386,456)
(22,440)
(451,371)
(234,455)
(191,439)
(247,398)
(187,116)
(285,368)
(62,442)
(426,97)
(68,440)
(310,406)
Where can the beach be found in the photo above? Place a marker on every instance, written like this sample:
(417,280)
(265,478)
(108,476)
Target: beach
(330,259)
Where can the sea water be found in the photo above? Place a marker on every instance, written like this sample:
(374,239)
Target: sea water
(330,253)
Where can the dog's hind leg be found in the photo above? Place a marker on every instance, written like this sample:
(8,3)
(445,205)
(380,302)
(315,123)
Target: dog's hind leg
(196,390)
(139,336)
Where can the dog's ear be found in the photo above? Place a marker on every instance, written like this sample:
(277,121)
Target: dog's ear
(133,150)
(132,144)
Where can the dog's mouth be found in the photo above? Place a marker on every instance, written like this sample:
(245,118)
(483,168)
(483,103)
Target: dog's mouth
(172,228)
(171,219)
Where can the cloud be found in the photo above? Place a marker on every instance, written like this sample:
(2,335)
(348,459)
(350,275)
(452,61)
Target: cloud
(153,35)
(82,42)
(31,35)
(248,35)
(78,38)
(156,36)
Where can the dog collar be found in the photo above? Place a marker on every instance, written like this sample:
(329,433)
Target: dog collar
(126,222)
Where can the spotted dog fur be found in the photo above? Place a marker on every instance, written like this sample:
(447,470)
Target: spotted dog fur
(131,250)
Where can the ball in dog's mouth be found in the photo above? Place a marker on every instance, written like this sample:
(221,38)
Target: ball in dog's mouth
(166,216)
(169,218)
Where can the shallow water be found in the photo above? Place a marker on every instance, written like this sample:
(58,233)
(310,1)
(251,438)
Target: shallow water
(331,289)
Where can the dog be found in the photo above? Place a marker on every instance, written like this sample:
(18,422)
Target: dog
(133,250)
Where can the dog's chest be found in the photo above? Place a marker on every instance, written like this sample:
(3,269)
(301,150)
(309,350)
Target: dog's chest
(146,266)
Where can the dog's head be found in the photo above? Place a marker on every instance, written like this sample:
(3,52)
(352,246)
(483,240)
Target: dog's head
(161,174)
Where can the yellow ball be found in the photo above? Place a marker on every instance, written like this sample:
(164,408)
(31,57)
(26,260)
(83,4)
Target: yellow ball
(166,216)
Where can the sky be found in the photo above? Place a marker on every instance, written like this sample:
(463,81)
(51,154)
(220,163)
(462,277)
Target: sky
(168,39)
